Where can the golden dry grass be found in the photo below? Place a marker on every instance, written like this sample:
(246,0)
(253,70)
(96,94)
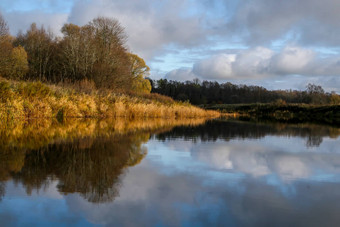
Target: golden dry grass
(31,100)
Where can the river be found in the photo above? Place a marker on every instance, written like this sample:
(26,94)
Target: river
(169,173)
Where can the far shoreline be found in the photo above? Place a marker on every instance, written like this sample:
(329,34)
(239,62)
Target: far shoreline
(289,113)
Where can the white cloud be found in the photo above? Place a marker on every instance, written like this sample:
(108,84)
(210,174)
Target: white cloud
(294,60)
(312,22)
(150,25)
(264,65)
(291,168)
(22,20)
(216,67)
(252,63)
(181,74)
(267,157)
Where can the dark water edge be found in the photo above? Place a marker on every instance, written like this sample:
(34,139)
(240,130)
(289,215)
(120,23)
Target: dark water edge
(289,113)
(159,173)
(246,128)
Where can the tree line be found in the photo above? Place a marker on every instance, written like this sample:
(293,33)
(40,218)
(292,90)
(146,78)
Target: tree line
(208,92)
(95,52)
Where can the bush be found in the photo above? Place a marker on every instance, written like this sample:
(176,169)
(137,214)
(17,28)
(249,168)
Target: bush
(5,91)
(34,89)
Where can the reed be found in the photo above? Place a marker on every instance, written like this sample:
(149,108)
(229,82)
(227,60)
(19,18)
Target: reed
(31,100)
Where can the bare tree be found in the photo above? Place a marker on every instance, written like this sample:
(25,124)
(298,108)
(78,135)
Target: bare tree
(39,46)
(4,30)
(5,47)
(77,51)
(112,68)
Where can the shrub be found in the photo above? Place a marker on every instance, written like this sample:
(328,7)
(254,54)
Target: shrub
(34,89)
(5,91)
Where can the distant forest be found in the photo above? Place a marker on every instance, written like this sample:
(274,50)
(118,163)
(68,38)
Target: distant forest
(207,92)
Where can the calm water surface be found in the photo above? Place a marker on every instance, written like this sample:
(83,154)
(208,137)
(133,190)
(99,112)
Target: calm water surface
(222,173)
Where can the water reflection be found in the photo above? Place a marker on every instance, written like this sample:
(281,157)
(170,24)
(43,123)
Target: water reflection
(86,157)
(2,190)
(223,173)
(89,166)
(263,159)
(286,152)
(227,129)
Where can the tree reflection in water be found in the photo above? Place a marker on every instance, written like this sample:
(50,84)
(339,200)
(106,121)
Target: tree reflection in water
(90,166)
(86,157)
(2,190)
(227,130)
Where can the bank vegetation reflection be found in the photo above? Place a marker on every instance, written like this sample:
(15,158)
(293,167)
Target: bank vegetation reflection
(229,129)
(84,156)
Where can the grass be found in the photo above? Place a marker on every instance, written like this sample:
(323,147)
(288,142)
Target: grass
(31,100)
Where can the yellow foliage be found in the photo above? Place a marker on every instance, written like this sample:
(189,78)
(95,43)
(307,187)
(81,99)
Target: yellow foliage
(139,71)
(335,99)
(13,60)
(140,84)
(19,64)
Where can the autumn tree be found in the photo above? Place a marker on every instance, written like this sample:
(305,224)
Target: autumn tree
(139,71)
(316,93)
(334,98)
(5,46)
(314,89)
(5,54)
(96,52)
(77,52)
(13,61)
(18,63)
(39,45)
(111,68)
(4,30)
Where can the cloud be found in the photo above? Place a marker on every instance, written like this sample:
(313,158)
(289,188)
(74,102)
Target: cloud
(31,5)
(239,173)
(21,21)
(252,63)
(266,158)
(310,22)
(153,25)
(181,74)
(216,67)
(150,25)
(294,60)
(263,64)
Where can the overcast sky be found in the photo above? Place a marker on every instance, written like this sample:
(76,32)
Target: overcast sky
(275,44)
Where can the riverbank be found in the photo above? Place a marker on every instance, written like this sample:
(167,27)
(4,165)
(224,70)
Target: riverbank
(32,100)
(293,113)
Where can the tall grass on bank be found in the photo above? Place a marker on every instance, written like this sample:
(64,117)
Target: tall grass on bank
(27,100)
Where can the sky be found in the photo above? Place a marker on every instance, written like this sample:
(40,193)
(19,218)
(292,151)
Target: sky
(274,44)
